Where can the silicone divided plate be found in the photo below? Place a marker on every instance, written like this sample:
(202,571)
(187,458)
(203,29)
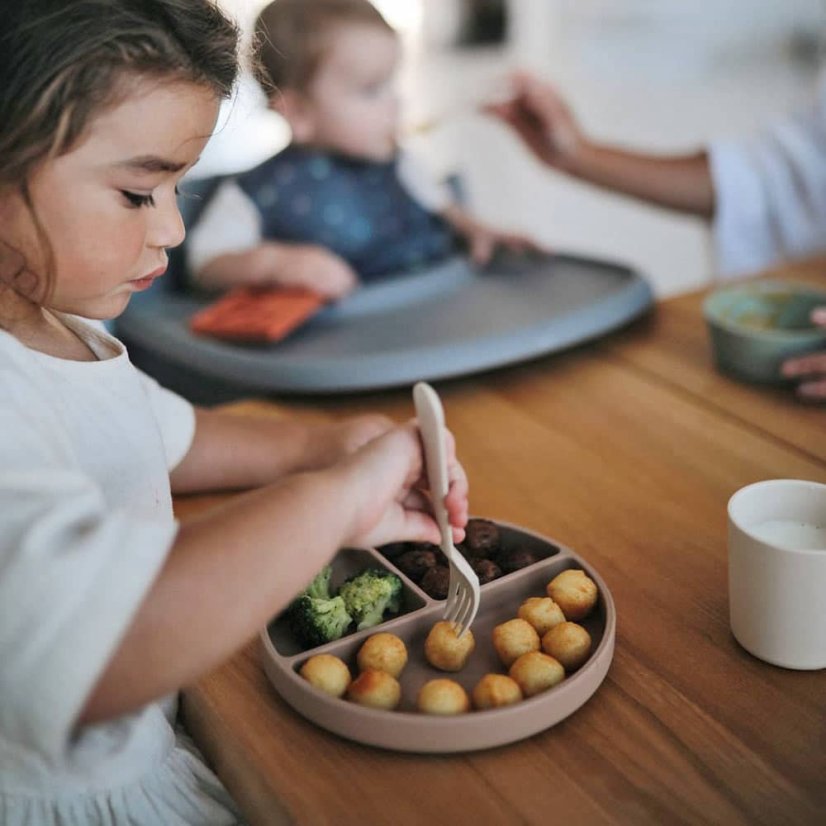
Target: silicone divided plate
(406,729)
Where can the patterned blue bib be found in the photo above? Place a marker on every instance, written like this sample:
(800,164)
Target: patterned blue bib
(357,209)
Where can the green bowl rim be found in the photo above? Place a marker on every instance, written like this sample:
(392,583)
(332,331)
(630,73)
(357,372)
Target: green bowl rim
(764,286)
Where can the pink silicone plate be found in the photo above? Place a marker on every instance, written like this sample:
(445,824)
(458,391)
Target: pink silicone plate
(406,729)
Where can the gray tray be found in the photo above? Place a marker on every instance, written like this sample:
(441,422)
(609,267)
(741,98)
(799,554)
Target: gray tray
(405,729)
(448,321)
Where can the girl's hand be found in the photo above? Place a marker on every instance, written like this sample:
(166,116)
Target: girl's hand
(540,116)
(389,479)
(811,369)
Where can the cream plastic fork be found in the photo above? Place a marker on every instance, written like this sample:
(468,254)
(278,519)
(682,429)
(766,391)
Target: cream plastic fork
(463,591)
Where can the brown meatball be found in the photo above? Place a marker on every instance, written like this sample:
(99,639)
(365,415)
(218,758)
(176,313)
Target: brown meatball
(481,538)
(394,549)
(513,559)
(486,569)
(436,581)
(415,564)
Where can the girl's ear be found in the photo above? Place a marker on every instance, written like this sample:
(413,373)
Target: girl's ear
(297,110)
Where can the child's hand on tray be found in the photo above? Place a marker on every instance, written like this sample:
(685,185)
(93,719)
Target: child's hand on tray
(314,268)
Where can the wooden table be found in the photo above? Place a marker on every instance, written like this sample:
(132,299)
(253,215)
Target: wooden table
(627,450)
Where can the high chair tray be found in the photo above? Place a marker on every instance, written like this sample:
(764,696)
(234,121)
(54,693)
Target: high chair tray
(409,730)
(449,320)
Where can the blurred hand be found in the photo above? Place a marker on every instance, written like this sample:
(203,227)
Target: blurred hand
(483,240)
(541,117)
(811,369)
(313,268)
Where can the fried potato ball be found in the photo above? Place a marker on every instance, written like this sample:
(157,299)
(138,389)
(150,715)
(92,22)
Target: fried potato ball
(574,592)
(569,643)
(541,612)
(444,650)
(536,672)
(376,689)
(442,696)
(328,673)
(513,638)
(382,652)
(496,690)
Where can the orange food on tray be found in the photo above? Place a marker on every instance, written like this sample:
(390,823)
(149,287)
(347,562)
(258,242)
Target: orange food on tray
(257,314)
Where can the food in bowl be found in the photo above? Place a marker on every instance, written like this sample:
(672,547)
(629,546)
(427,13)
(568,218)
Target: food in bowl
(569,643)
(514,638)
(446,650)
(755,327)
(495,691)
(536,672)
(442,696)
(489,554)
(376,689)
(541,612)
(382,652)
(327,673)
(574,592)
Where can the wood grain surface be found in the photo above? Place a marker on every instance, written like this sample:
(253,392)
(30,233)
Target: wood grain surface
(627,451)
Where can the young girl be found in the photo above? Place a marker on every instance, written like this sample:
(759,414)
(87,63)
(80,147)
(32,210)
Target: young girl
(107,606)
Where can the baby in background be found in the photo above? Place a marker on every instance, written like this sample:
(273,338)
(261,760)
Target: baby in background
(342,203)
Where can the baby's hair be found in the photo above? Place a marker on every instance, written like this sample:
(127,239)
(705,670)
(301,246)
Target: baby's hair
(291,37)
(62,63)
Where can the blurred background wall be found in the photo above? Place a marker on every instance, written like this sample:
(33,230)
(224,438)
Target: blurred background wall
(665,75)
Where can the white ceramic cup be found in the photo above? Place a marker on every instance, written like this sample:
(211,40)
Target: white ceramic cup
(777,571)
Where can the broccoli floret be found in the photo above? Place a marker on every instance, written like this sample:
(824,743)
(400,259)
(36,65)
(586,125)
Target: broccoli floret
(315,621)
(320,586)
(368,595)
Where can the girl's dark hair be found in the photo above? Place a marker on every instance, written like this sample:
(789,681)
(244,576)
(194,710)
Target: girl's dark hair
(61,62)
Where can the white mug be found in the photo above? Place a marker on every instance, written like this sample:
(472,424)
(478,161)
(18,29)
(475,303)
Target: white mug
(777,571)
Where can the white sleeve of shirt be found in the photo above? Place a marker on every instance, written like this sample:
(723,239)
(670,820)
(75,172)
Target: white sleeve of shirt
(431,194)
(229,223)
(174,414)
(176,419)
(73,573)
(770,193)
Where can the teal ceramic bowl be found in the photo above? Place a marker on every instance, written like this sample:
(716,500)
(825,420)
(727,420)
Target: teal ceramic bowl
(755,327)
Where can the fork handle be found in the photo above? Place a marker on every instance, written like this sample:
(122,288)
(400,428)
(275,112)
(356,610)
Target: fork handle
(431,418)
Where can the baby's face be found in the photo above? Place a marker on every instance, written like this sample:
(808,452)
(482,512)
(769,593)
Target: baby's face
(351,105)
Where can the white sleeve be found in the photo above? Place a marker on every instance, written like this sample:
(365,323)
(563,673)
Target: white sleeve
(175,417)
(417,180)
(229,223)
(73,573)
(770,194)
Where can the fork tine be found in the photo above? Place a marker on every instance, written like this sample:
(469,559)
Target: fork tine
(467,614)
(463,612)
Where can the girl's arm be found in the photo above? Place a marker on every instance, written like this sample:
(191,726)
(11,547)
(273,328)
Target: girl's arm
(547,126)
(233,452)
(234,568)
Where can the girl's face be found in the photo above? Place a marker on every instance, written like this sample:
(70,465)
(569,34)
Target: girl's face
(352,106)
(108,206)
